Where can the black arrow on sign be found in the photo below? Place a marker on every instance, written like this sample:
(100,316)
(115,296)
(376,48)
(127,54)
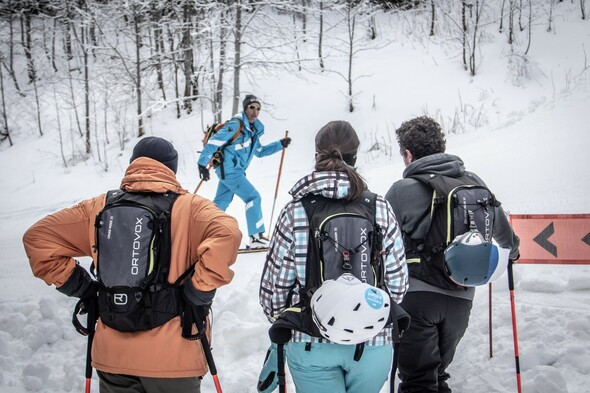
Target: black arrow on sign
(542,239)
(586,239)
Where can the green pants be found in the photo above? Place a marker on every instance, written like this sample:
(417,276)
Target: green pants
(118,383)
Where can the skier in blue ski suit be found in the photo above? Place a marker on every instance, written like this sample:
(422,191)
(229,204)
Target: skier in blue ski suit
(237,156)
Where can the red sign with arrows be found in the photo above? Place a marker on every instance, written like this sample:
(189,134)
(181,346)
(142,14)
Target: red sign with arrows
(553,238)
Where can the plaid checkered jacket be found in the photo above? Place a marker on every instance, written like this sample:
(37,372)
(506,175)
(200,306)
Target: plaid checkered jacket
(284,270)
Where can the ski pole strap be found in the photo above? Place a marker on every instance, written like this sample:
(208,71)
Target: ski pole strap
(85,306)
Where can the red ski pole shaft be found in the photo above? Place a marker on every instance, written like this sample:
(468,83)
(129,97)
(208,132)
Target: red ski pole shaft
(210,362)
(490,320)
(514,328)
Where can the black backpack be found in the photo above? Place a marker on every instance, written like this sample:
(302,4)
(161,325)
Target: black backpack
(133,261)
(343,238)
(459,205)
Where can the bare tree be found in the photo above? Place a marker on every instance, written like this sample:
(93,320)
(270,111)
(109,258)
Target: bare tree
(511,21)
(187,51)
(321,34)
(9,62)
(135,15)
(4,134)
(432,17)
(27,44)
(237,66)
(501,28)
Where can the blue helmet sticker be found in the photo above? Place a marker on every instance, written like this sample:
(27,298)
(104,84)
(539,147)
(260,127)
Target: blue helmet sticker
(374,298)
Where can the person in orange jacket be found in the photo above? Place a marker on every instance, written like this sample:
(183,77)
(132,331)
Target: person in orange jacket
(159,359)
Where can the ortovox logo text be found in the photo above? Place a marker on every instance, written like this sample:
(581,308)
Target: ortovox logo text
(120,299)
(364,255)
(136,246)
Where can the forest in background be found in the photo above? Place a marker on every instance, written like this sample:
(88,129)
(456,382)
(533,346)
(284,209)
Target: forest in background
(93,71)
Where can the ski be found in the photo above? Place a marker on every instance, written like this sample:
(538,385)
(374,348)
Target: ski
(252,250)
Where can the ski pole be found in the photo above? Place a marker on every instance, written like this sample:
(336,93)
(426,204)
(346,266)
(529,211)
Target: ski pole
(281,369)
(90,326)
(490,319)
(278,181)
(210,361)
(514,329)
(201,182)
(394,364)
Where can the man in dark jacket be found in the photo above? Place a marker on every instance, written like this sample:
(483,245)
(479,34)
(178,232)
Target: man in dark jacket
(440,315)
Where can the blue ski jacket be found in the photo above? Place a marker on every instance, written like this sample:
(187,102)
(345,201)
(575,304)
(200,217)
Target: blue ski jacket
(238,154)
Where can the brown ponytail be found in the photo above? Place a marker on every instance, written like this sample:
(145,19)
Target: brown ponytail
(336,146)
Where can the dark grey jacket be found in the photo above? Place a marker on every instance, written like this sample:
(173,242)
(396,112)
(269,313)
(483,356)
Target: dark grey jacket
(410,198)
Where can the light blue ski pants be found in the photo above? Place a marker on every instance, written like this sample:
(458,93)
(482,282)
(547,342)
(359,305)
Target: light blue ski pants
(238,184)
(331,368)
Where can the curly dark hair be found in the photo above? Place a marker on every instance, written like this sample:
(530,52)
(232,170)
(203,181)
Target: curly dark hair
(422,136)
(336,146)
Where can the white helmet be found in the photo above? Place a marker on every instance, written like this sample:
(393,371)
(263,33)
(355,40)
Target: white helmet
(471,261)
(348,311)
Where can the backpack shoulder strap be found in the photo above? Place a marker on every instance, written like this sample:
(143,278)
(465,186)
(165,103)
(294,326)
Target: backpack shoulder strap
(238,131)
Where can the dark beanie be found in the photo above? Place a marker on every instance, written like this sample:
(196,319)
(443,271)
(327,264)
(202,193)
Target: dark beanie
(158,149)
(249,99)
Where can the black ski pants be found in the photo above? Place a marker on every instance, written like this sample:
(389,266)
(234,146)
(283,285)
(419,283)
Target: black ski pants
(428,346)
(118,383)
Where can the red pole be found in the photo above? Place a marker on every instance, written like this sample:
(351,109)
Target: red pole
(277,188)
(514,329)
(490,319)
(210,362)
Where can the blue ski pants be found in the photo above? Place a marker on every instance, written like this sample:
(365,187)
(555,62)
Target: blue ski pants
(238,184)
(331,368)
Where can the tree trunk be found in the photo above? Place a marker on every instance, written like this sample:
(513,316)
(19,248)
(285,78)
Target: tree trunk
(222,59)
(214,102)
(464,24)
(38,104)
(6,133)
(530,26)
(501,28)
(26,23)
(351,19)
(10,66)
(237,55)
(84,44)
(159,45)
(188,58)
(140,130)
(433,17)
(67,33)
(175,68)
(511,22)
(472,60)
(321,35)
(295,42)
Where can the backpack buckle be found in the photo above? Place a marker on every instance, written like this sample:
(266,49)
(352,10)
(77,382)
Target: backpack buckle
(346,260)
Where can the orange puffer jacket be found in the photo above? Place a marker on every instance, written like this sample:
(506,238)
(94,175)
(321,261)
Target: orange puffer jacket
(200,232)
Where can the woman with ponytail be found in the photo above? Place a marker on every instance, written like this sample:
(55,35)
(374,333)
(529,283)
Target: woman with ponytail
(316,363)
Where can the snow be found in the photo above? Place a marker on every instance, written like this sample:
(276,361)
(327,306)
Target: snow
(526,137)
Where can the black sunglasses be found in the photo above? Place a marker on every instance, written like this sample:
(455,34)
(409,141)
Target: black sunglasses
(254,108)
